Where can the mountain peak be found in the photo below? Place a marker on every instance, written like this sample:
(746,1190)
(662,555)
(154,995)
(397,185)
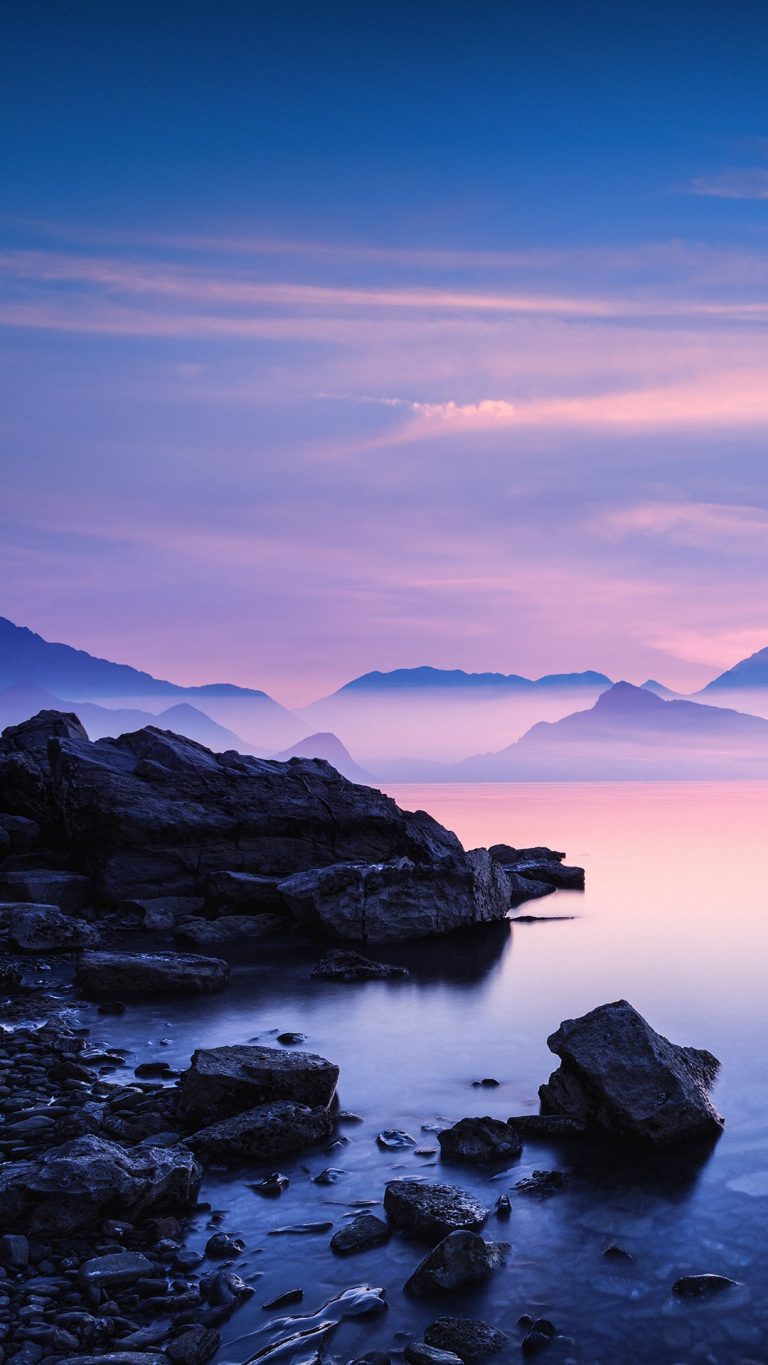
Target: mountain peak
(625,697)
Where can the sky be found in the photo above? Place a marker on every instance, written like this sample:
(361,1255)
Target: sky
(369,335)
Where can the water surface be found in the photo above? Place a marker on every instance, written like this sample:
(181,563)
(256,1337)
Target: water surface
(673,919)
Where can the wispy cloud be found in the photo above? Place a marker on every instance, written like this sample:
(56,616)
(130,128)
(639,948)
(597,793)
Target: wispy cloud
(735,182)
(698,524)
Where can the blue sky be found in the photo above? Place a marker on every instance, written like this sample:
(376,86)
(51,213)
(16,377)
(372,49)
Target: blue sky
(350,336)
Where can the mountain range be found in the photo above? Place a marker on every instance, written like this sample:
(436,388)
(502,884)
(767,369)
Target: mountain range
(417,723)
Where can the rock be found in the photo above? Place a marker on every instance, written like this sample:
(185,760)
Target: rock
(23,835)
(613,1252)
(14,1251)
(272,1186)
(222,1245)
(620,1075)
(194,1346)
(509,856)
(44,928)
(432,1210)
(245,893)
(228,929)
(400,899)
(118,1268)
(222,1081)
(363,1232)
(11,976)
(547,1125)
(263,1132)
(290,1039)
(702,1286)
(116,1358)
(554,874)
(503,1206)
(163,912)
(66,890)
(461,1258)
(418,1353)
(481,1139)
(543,1183)
(300,1229)
(470,1338)
(345,965)
(283,1300)
(395,1140)
(540,1334)
(83,1181)
(131,974)
(153,814)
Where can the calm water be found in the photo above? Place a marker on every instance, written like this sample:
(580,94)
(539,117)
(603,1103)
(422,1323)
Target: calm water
(674,918)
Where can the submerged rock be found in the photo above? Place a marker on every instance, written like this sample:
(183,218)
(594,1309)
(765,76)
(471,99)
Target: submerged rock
(620,1075)
(432,1210)
(481,1139)
(82,1182)
(122,974)
(461,1258)
(470,1338)
(401,899)
(222,1081)
(342,964)
(543,1183)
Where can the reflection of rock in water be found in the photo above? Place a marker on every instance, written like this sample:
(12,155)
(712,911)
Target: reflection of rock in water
(460,958)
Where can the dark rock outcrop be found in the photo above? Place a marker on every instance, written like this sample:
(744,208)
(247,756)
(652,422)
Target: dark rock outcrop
(129,974)
(222,1081)
(619,1074)
(401,899)
(82,1182)
(43,928)
(432,1210)
(461,1258)
(152,814)
(44,886)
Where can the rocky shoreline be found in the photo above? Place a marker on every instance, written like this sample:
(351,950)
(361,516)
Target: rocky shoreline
(114,853)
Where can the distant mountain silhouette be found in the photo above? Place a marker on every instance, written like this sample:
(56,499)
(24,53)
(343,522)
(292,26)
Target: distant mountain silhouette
(633,734)
(328,746)
(27,658)
(24,700)
(651,685)
(748,673)
(425,677)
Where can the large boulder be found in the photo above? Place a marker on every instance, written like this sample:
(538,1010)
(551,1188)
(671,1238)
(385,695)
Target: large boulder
(620,1075)
(461,1258)
(222,1081)
(400,899)
(124,974)
(153,814)
(432,1210)
(85,1181)
(266,1131)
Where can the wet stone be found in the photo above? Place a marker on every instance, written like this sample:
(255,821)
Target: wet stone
(480,1139)
(472,1339)
(432,1210)
(364,1232)
(461,1258)
(702,1286)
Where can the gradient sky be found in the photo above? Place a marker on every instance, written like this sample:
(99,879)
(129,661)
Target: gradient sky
(363,335)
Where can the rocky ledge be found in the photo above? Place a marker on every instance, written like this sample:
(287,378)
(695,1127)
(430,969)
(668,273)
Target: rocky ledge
(212,848)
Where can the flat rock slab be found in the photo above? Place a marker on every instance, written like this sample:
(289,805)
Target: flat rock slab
(122,974)
(82,1182)
(432,1210)
(119,1267)
(66,890)
(461,1258)
(618,1074)
(481,1139)
(222,1081)
(229,929)
(263,1132)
